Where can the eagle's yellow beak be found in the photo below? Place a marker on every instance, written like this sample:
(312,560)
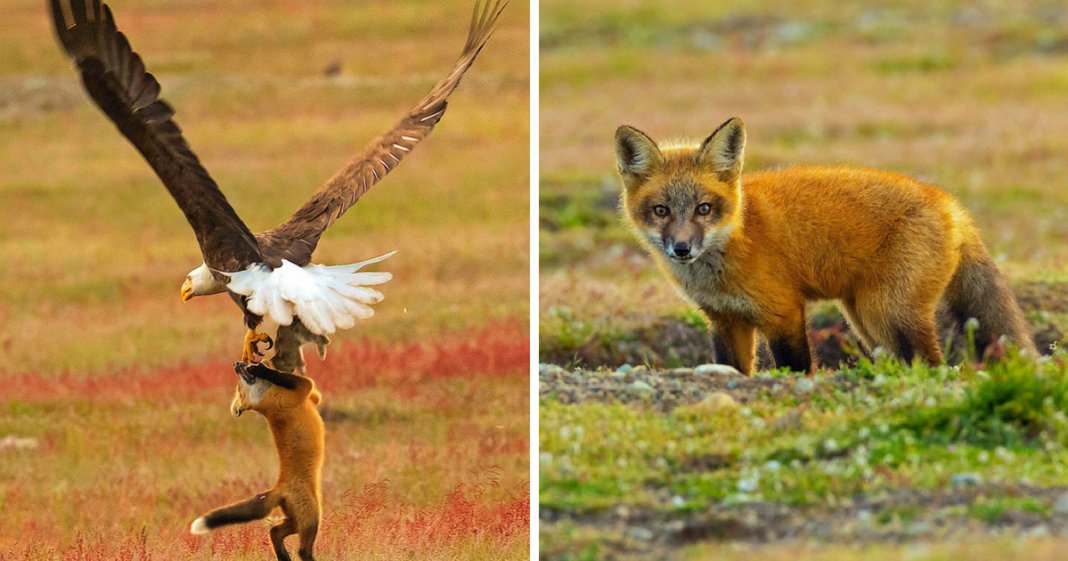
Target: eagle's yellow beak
(187,291)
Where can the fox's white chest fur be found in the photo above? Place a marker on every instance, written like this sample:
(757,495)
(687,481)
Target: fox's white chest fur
(703,282)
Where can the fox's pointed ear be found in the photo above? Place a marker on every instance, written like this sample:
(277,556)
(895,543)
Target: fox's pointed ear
(724,150)
(636,153)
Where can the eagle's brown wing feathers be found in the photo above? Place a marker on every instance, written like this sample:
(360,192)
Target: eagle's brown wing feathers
(117,81)
(296,238)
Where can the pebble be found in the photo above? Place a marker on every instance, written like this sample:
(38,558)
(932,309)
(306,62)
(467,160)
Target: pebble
(804,385)
(1040,531)
(965,479)
(716,370)
(718,401)
(546,370)
(748,484)
(1060,505)
(675,526)
(640,388)
(918,528)
(639,533)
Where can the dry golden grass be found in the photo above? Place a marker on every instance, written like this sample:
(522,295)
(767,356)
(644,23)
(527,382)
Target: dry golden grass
(119,392)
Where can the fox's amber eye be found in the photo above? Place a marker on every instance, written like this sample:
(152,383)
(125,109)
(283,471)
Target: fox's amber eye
(704,209)
(661,211)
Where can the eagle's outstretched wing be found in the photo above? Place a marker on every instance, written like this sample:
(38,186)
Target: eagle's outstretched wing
(116,79)
(296,238)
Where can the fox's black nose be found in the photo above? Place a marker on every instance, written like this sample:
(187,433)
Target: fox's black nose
(682,249)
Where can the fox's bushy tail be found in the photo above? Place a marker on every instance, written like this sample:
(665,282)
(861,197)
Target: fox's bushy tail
(256,508)
(978,290)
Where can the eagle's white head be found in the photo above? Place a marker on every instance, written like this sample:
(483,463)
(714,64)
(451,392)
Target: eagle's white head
(201,282)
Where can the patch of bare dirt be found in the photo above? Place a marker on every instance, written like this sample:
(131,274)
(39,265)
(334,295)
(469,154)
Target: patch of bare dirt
(670,342)
(933,515)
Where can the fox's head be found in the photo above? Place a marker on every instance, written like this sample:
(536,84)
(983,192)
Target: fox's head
(683,200)
(258,394)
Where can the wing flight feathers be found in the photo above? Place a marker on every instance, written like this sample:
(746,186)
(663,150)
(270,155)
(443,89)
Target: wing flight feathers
(117,81)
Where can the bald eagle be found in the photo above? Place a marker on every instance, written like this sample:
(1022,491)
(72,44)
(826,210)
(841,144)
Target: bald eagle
(268,274)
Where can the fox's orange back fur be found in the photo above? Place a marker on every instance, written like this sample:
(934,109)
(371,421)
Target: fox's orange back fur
(751,250)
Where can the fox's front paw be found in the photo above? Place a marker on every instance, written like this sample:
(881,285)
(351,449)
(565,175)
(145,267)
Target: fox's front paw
(241,369)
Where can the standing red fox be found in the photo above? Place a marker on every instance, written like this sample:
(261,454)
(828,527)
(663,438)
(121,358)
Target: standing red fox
(752,250)
(288,401)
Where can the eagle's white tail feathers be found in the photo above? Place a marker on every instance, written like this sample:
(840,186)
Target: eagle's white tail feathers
(325,298)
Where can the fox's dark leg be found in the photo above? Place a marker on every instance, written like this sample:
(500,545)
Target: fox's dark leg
(914,337)
(734,342)
(279,532)
(307,541)
(849,307)
(788,341)
(281,379)
(907,331)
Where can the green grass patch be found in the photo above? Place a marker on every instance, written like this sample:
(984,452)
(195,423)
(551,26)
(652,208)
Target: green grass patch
(1010,405)
(879,427)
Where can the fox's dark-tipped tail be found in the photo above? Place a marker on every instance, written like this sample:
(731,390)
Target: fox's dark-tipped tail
(256,508)
(978,290)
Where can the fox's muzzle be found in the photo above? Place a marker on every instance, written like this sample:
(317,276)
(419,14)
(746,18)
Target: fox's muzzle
(682,239)
(682,251)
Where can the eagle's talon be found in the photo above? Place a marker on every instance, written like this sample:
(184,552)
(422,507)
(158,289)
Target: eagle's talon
(251,353)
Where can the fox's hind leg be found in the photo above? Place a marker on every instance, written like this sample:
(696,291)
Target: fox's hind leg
(849,309)
(907,329)
(913,337)
(279,532)
(307,540)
